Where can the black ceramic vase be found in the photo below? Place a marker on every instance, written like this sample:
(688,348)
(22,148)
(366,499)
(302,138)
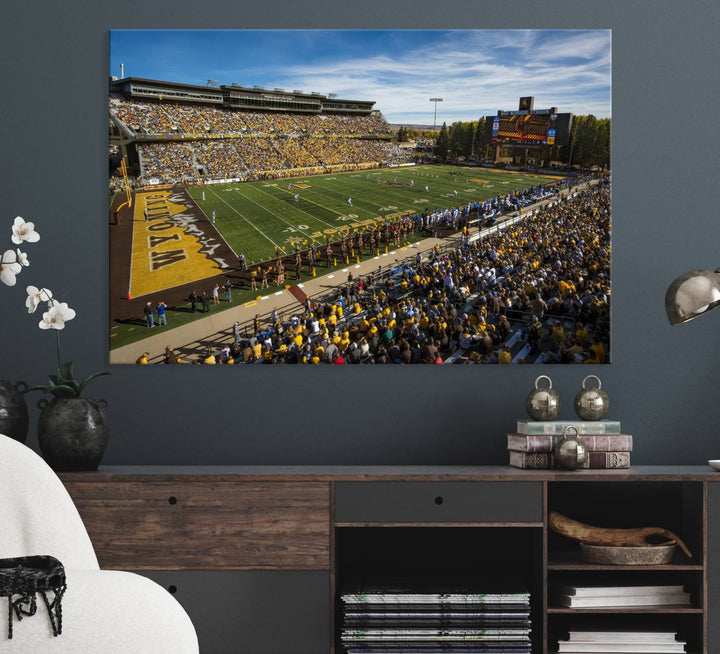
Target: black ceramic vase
(13,410)
(72,433)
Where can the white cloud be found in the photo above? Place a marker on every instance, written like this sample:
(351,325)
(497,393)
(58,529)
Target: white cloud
(475,72)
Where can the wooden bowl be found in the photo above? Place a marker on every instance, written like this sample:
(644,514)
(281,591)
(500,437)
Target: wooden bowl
(621,555)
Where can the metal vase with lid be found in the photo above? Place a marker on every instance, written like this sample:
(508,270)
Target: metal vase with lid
(543,403)
(13,410)
(570,453)
(591,403)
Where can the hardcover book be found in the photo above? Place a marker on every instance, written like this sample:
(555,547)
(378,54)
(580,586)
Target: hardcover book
(530,460)
(623,648)
(555,427)
(624,636)
(546,442)
(667,599)
(545,460)
(604,591)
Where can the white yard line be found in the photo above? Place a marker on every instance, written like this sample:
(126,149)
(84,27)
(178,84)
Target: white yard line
(246,220)
(202,211)
(303,210)
(318,189)
(289,224)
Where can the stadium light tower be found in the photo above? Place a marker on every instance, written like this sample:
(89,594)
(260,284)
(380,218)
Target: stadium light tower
(435,100)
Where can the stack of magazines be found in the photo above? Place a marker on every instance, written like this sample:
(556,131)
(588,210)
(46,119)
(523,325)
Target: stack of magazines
(384,621)
(583,597)
(601,642)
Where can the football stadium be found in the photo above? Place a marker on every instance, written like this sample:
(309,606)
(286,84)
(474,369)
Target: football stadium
(265,226)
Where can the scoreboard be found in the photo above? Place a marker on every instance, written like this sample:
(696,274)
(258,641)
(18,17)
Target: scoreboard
(527,127)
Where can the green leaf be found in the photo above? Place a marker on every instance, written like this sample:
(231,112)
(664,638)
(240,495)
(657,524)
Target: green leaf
(58,390)
(54,382)
(89,379)
(44,389)
(65,371)
(63,391)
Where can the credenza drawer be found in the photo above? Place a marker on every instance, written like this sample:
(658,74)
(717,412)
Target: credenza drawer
(254,611)
(406,502)
(218,525)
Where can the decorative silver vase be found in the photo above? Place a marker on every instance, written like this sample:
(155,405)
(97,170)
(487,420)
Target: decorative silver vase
(72,433)
(13,410)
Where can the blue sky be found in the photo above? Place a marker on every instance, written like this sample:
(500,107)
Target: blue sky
(476,72)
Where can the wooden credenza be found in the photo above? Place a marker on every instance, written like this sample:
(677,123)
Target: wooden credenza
(259,555)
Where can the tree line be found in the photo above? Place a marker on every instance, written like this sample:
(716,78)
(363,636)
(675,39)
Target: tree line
(589,143)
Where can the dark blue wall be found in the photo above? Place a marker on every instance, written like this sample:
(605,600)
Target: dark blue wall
(663,383)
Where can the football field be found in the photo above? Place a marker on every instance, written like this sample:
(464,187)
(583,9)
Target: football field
(258,217)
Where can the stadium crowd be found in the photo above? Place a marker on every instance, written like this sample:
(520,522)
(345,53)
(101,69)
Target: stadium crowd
(333,150)
(254,157)
(167,161)
(540,287)
(219,159)
(212,143)
(140,118)
(172,117)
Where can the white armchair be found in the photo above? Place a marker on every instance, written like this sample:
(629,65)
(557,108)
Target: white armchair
(104,612)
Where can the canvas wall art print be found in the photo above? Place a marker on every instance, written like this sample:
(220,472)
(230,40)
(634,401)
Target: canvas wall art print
(359,197)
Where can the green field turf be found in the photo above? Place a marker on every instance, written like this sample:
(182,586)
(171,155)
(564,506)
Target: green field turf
(256,218)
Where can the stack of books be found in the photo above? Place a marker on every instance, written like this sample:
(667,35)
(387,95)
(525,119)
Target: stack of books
(531,446)
(647,642)
(401,622)
(584,597)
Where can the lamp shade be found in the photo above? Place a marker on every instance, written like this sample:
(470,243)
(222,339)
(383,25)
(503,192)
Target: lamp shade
(691,295)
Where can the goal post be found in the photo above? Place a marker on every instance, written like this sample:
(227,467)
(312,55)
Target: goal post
(128,192)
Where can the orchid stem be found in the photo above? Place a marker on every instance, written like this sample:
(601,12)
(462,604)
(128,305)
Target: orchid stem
(57,334)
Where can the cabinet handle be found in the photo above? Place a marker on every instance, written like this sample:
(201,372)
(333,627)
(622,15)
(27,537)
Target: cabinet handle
(439,500)
(172,500)
(172,589)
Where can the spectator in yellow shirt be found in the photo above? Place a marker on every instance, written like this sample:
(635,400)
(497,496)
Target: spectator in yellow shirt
(505,356)
(581,335)
(598,350)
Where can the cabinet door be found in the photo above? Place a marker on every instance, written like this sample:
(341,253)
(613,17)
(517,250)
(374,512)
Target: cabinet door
(145,524)
(713,566)
(257,612)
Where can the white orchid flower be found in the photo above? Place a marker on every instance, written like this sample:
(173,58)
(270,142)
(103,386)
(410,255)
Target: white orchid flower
(56,317)
(9,267)
(22,258)
(36,296)
(22,231)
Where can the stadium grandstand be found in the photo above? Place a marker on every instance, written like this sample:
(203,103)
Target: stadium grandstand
(170,133)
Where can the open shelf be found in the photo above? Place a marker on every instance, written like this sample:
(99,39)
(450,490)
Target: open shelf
(686,623)
(679,507)
(478,559)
